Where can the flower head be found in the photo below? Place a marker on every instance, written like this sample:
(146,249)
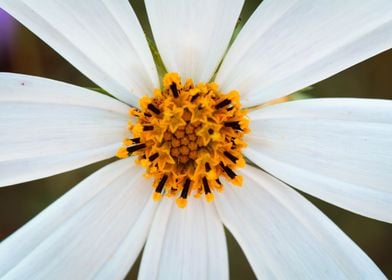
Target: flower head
(187,137)
(192,136)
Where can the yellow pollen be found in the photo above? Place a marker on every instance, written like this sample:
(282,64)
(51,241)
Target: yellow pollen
(122,153)
(156,196)
(181,202)
(210,197)
(187,137)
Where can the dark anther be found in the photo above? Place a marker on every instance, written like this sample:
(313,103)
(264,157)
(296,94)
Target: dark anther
(228,171)
(230,156)
(135,148)
(194,97)
(148,127)
(153,157)
(218,181)
(147,115)
(210,131)
(207,166)
(161,184)
(185,189)
(174,89)
(137,112)
(153,108)
(234,125)
(206,186)
(135,140)
(222,104)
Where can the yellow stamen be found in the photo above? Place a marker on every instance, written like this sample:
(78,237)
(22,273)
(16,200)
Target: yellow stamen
(187,137)
(122,153)
(156,196)
(181,202)
(210,197)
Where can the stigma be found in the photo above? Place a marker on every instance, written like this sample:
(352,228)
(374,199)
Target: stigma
(188,137)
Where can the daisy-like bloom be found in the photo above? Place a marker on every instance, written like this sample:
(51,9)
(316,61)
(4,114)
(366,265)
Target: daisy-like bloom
(190,132)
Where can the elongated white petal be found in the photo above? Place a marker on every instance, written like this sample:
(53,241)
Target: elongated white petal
(286,237)
(102,38)
(185,243)
(339,150)
(288,45)
(48,127)
(95,230)
(192,36)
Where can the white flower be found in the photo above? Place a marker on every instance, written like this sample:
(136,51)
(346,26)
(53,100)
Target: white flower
(336,149)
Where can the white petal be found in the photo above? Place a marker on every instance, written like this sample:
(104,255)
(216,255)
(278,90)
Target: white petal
(286,237)
(339,150)
(102,38)
(185,243)
(44,122)
(95,230)
(288,45)
(192,36)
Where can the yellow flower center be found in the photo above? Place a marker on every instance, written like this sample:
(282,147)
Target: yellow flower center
(187,137)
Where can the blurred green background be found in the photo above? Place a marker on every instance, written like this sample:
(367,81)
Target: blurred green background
(22,52)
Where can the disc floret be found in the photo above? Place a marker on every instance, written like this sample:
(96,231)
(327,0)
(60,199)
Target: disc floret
(188,136)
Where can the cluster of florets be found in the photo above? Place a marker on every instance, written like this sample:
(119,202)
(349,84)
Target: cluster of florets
(187,137)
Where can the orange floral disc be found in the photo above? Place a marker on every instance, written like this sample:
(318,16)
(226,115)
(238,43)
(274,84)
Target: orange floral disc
(187,137)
